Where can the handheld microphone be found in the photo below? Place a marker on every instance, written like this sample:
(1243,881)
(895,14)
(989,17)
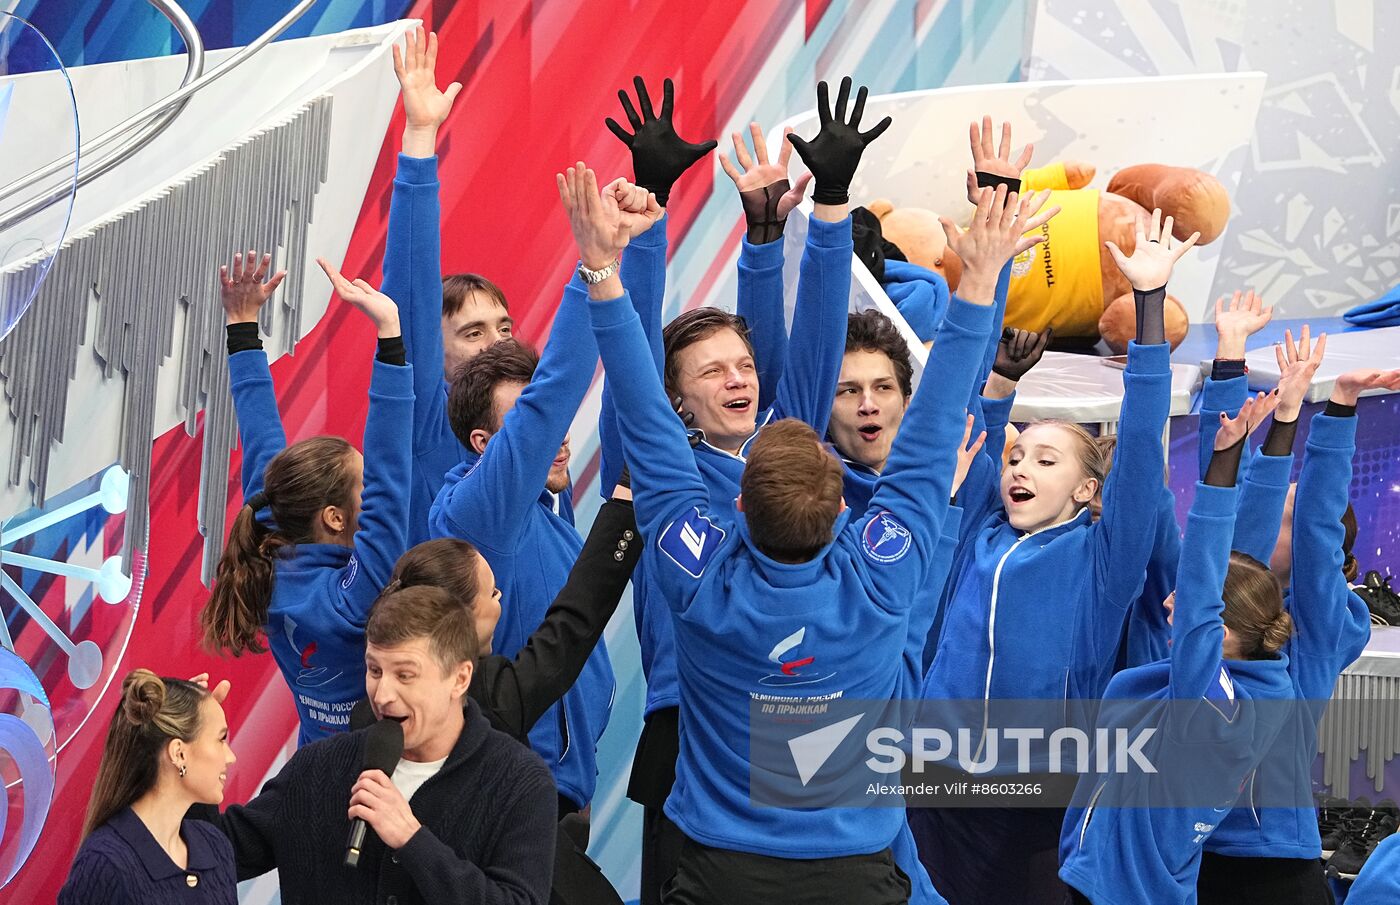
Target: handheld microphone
(383,748)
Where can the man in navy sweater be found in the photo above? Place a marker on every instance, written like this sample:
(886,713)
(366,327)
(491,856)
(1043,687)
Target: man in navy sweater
(468,817)
(783,562)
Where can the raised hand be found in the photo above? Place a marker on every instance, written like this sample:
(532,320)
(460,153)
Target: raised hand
(1004,225)
(600,228)
(1352,384)
(1246,421)
(425,107)
(1019,351)
(219,692)
(1154,255)
(994,161)
(377,306)
(243,290)
(763,187)
(834,154)
(967,454)
(1245,315)
(638,206)
(659,155)
(1296,366)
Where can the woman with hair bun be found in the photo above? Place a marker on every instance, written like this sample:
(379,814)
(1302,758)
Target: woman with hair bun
(1268,850)
(167,749)
(1205,715)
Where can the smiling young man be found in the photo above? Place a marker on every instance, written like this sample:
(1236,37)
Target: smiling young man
(872,394)
(469,814)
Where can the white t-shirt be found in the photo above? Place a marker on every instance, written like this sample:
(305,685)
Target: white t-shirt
(411,774)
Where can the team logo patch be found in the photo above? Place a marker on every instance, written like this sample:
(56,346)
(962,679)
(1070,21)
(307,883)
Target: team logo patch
(793,668)
(886,540)
(352,571)
(1021,264)
(1221,695)
(691,541)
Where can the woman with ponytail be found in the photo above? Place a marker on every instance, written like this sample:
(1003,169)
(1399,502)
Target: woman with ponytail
(167,749)
(1202,718)
(321,525)
(1268,849)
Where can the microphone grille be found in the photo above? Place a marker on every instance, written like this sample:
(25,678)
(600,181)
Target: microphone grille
(383,746)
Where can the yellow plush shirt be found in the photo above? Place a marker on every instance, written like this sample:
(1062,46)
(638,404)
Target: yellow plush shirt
(1058,281)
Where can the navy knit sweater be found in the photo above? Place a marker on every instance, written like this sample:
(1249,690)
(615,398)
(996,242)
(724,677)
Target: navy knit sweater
(122,864)
(487,837)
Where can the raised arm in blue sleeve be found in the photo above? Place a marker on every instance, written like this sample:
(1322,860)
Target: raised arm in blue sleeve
(1263,493)
(999,314)
(643,272)
(383,525)
(1217,397)
(1333,623)
(818,343)
(260,430)
(489,505)
(1134,485)
(762,306)
(413,279)
(665,478)
(917,480)
(1198,616)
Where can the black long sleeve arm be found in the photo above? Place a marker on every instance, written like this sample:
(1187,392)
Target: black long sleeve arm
(515,693)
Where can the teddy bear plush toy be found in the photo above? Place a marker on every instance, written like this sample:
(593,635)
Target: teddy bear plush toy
(1069,281)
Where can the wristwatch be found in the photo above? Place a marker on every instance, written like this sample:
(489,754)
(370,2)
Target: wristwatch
(593,277)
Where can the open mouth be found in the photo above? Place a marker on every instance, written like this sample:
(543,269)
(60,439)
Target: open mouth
(398,719)
(739,405)
(1020,495)
(871,432)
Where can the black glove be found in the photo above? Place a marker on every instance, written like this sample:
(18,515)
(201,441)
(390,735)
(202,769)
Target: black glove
(659,155)
(834,154)
(871,246)
(1019,351)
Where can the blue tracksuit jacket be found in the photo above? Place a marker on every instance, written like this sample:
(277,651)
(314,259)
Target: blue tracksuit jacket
(321,593)
(1035,616)
(1138,837)
(731,604)
(1332,626)
(497,501)
(802,389)
(1379,881)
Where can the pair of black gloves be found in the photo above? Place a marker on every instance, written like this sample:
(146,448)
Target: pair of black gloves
(660,155)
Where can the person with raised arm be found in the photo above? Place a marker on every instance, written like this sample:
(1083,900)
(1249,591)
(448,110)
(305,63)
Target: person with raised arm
(729,374)
(1207,714)
(447,319)
(511,411)
(782,557)
(321,525)
(1038,596)
(1263,850)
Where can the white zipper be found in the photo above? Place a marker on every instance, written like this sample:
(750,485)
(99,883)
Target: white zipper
(1089,812)
(992,631)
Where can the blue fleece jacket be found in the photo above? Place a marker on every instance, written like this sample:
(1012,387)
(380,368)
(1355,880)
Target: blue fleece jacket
(1379,880)
(803,388)
(321,593)
(731,603)
(497,501)
(1138,836)
(1332,626)
(1036,616)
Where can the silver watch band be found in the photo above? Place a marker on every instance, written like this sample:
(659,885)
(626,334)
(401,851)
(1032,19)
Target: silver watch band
(593,277)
